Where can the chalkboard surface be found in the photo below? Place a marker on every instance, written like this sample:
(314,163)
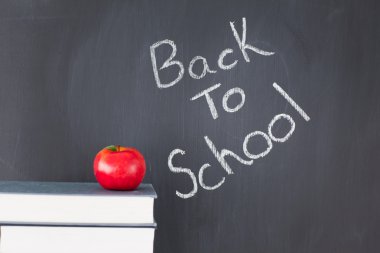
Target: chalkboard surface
(76,76)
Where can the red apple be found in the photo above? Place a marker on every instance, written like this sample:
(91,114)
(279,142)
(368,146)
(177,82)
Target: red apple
(119,168)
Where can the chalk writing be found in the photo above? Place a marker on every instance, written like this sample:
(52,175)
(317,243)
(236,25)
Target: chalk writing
(220,155)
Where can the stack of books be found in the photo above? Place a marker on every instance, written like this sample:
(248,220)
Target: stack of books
(58,217)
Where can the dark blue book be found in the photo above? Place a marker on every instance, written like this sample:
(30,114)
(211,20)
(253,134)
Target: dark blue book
(74,204)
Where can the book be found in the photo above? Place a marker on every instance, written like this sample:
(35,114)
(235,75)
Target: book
(52,239)
(75,204)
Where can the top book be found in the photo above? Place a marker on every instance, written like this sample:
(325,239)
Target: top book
(74,204)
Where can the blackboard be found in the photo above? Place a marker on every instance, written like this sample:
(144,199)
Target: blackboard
(78,75)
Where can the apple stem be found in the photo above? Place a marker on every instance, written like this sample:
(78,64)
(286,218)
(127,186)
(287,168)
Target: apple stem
(118,148)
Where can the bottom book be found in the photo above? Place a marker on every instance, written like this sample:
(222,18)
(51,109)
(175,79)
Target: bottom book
(38,239)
